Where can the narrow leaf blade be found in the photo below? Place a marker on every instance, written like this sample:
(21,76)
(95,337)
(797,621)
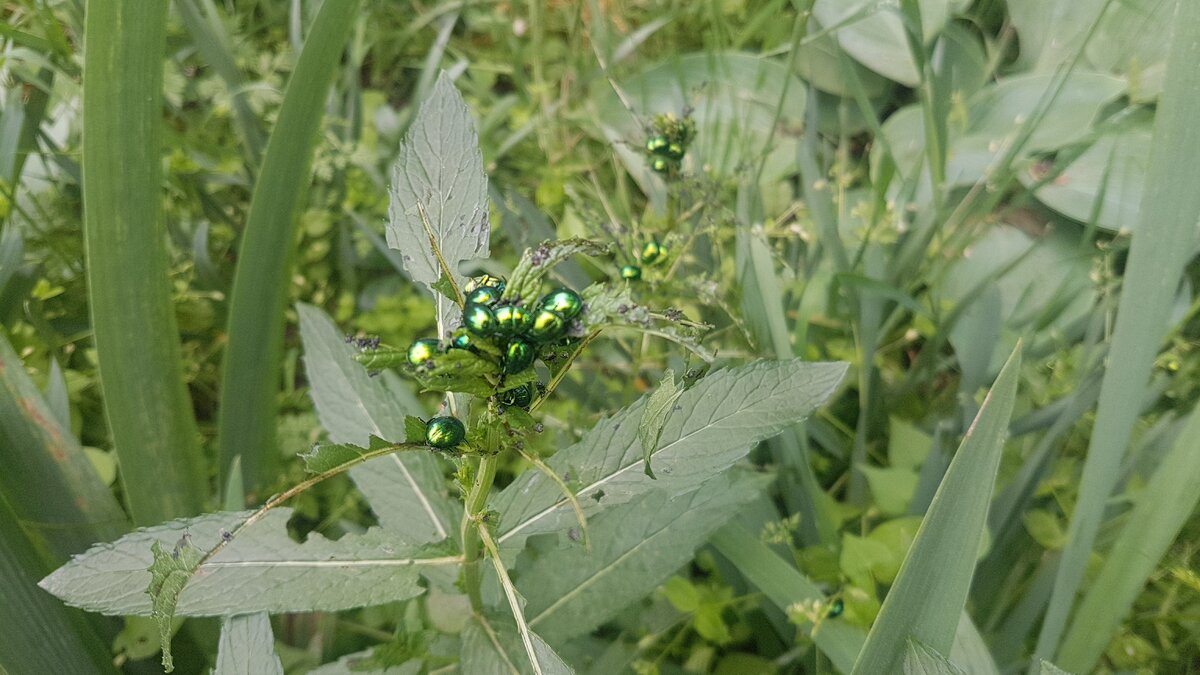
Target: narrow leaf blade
(133,320)
(927,598)
(1160,247)
(251,369)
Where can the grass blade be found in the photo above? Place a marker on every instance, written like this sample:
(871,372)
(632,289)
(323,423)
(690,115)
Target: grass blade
(137,343)
(1161,509)
(253,360)
(47,478)
(927,599)
(784,586)
(40,635)
(1161,245)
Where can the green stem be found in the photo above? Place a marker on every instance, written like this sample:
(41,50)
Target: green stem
(472,544)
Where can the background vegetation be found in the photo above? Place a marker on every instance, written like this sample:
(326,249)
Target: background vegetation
(911,188)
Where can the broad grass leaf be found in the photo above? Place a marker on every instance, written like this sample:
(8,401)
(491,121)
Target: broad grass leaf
(1129,42)
(785,586)
(260,570)
(1160,511)
(875,35)
(994,117)
(718,421)
(635,547)
(491,646)
(928,596)
(921,660)
(41,457)
(406,490)
(247,647)
(1113,168)
(1162,243)
(1053,32)
(439,171)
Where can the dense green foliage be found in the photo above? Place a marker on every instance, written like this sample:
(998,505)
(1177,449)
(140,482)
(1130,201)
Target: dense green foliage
(985,208)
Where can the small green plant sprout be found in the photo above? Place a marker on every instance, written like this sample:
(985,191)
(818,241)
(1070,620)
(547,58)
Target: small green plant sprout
(668,141)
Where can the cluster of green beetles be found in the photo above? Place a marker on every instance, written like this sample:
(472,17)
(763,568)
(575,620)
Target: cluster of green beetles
(518,331)
(668,142)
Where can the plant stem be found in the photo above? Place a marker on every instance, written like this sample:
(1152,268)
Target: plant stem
(472,544)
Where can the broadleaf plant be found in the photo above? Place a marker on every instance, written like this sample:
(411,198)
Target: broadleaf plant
(546,581)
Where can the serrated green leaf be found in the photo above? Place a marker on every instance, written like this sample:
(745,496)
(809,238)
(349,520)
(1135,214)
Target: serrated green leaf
(926,601)
(414,429)
(491,646)
(525,282)
(921,660)
(718,421)
(247,647)
(330,458)
(439,206)
(569,590)
(613,306)
(261,569)
(654,417)
(169,574)
(406,491)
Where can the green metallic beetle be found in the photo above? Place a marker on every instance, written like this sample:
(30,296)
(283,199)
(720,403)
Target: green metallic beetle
(836,609)
(445,433)
(485,281)
(547,326)
(521,397)
(662,165)
(658,144)
(653,252)
(512,320)
(463,340)
(563,302)
(422,351)
(479,319)
(631,272)
(484,295)
(518,356)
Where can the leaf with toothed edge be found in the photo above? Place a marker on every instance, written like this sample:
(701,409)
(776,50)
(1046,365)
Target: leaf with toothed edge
(491,646)
(169,574)
(658,409)
(407,491)
(718,421)
(525,282)
(439,190)
(261,569)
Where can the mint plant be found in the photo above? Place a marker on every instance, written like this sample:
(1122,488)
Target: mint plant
(547,559)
